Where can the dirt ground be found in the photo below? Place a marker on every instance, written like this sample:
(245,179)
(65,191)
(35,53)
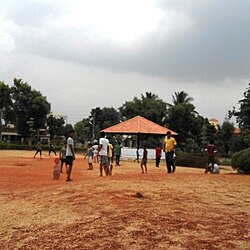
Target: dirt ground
(184,210)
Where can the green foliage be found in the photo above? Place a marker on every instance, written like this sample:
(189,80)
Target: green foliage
(190,160)
(240,141)
(224,137)
(149,106)
(241,161)
(6,104)
(55,125)
(31,108)
(243,114)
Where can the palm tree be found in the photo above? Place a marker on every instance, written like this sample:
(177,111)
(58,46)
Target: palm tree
(181,97)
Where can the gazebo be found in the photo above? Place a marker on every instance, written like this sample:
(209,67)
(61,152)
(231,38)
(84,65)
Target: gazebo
(138,125)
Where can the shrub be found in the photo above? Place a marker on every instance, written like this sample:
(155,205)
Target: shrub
(241,161)
(189,160)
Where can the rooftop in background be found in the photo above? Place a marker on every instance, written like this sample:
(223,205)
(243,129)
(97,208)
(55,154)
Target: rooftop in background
(138,124)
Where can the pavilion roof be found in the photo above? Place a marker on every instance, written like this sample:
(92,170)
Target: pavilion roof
(136,125)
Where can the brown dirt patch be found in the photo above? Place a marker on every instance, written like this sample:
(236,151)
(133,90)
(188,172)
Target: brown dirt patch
(185,210)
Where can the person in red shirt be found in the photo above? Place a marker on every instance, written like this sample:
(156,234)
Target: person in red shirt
(157,156)
(211,150)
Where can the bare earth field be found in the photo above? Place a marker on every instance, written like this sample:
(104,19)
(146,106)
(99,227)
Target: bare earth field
(184,210)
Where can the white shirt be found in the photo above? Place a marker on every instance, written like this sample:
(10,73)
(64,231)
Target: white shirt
(216,169)
(68,150)
(104,142)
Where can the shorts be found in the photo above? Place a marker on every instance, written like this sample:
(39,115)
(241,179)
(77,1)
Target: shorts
(103,160)
(63,160)
(90,160)
(144,162)
(69,160)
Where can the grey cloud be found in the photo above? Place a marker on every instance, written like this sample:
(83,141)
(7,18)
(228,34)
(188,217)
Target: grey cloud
(216,48)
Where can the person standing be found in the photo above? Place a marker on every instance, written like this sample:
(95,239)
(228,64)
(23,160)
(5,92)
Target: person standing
(70,154)
(103,154)
(144,160)
(38,150)
(110,158)
(51,148)
(211,150)
(62,156)
(169,145)
(90,154)
(157,156)
(118,151)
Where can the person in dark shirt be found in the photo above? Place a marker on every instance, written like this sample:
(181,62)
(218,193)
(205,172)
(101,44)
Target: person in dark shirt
(144,160)
(211,150)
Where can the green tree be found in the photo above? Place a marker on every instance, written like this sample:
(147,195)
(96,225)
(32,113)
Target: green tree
(243,114)
(55,125)
(81,129)
(181,97)
(100,119)
(29,105)
(185,120)
(149,106)
(6,104)
(223,138)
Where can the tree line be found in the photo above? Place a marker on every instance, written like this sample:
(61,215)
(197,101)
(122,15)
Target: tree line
(30,111)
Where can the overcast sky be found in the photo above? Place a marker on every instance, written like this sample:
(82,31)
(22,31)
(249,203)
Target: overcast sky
(83,54)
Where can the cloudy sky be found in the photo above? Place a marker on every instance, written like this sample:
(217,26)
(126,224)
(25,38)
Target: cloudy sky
(83,54)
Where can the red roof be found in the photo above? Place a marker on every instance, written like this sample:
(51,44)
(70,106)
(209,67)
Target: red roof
(138,124)
(237,130)
(213,120)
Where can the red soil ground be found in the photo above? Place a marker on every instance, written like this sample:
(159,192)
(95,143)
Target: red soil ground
(185,210)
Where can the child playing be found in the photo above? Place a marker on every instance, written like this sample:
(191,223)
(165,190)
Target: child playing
(144,160)
(62,156)
(57,170)
(90,154)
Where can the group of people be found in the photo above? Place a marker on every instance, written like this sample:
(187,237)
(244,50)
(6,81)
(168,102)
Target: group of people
(39,149)
(105,152)
(168,147)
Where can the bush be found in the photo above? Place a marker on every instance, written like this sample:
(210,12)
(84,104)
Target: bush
(189,160)
(241,161)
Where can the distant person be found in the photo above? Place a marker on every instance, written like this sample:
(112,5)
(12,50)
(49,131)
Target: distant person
(90,154)
(118,151)
(211,150)
(62,155)
(137,156)
(216,169)
(95,151)
(157,156)
(51,148)
(103,154)
(110,158)
(70,153)
(144,160)
(38,150)
(169,145)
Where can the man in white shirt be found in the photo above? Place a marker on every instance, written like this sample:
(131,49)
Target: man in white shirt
(103,153)
(70,153)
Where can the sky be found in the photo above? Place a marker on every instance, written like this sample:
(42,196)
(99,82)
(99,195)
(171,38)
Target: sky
(85,54)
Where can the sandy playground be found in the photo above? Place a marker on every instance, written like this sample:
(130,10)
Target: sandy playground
(185,210)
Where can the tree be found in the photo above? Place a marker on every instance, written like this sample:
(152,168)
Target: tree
(81,129)
(29,106)
(224,135)
(6,104)
(243,115)
(149,106)
(181,97)
(100,119)
(185,120)
(55,125)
